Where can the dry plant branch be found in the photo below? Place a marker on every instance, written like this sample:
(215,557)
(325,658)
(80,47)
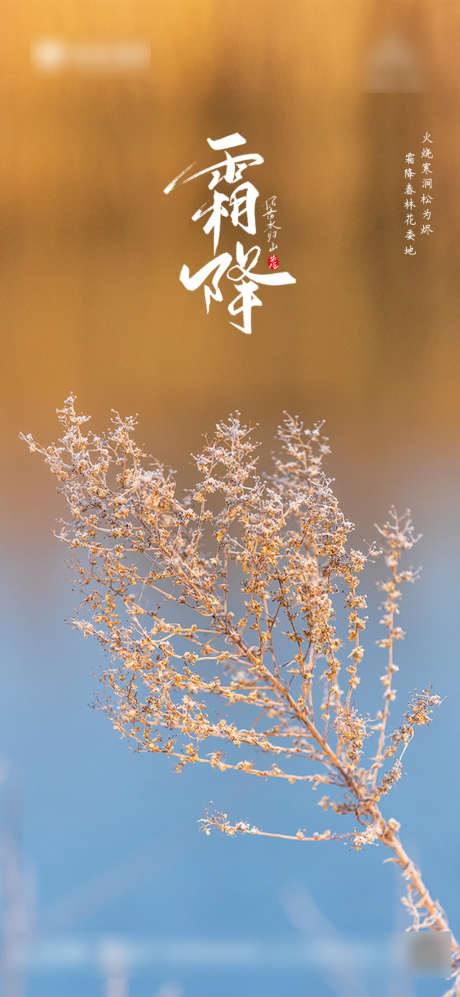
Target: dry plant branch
(187,673)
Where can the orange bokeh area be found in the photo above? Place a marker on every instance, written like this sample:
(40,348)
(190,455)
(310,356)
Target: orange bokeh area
(332,96)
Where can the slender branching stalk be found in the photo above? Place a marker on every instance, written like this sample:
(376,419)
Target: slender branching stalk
(225,613)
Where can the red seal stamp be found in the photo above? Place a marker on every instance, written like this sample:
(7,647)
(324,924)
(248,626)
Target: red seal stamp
(273,262)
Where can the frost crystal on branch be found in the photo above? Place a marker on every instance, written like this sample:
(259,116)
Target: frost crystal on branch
(232,618)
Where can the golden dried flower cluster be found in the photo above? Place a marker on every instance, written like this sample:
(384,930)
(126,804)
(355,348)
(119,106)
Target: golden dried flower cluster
(226,612)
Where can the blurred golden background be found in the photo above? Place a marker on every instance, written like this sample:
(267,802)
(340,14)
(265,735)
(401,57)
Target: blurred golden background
(332,95)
